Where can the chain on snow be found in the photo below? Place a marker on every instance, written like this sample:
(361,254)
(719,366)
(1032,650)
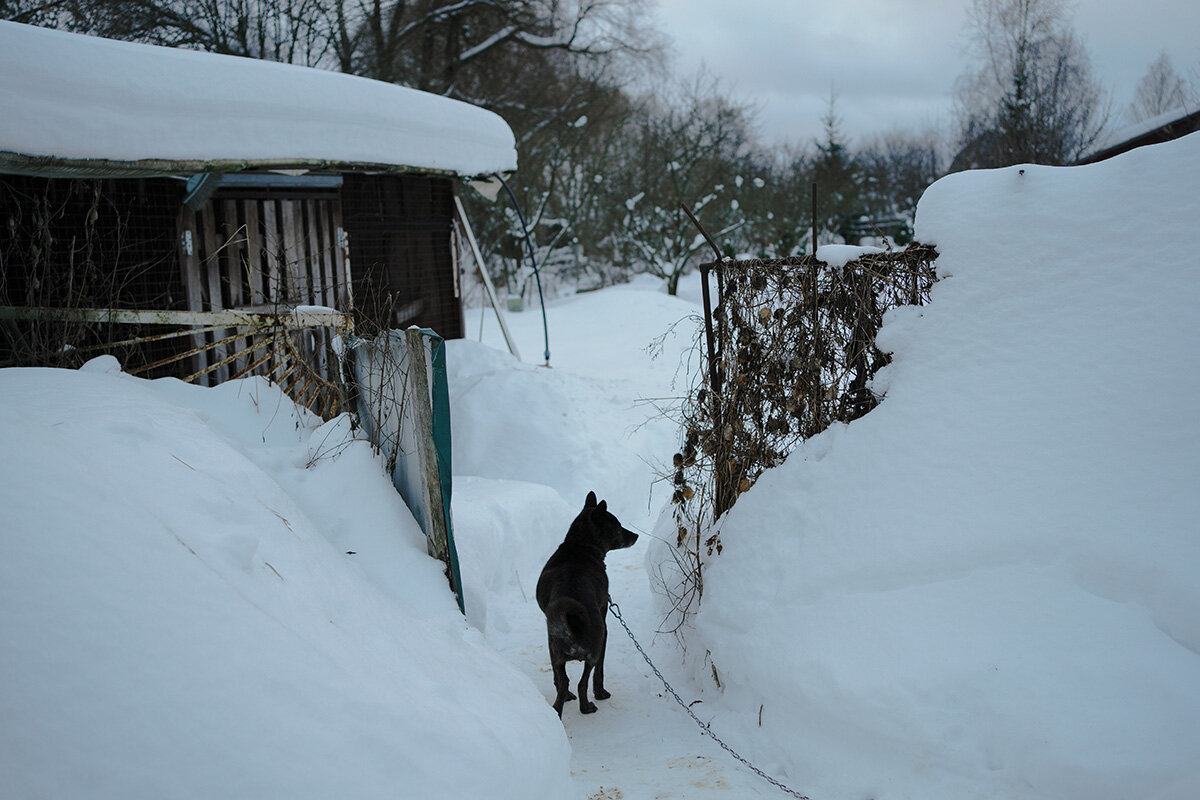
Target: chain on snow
(616,610)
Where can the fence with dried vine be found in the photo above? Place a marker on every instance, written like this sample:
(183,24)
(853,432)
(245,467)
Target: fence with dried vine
(793,351)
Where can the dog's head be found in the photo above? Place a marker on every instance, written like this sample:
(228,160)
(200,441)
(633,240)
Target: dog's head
(604,528)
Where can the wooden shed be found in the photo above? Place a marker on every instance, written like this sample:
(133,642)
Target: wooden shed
(166,204)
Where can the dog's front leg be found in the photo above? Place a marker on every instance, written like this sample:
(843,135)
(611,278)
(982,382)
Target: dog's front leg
(598,679)
(585,705)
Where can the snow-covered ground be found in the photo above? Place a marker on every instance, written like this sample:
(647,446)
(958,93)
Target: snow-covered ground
(986,588)
(534,441)
(989,587)
(204,593)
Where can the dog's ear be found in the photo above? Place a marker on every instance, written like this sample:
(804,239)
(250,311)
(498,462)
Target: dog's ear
(603,505)
(590,501)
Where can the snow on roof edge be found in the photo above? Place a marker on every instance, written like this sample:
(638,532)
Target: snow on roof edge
(1127,133)
(53,167)
(68,100)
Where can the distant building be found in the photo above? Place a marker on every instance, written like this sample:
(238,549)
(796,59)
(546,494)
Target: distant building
(1163,128)
(978,153)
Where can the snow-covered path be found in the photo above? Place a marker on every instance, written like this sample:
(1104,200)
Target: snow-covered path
(639,744)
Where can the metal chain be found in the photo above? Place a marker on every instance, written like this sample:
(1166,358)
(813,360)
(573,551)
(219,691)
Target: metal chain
(704,728)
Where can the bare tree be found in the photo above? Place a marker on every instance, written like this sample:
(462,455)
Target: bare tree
(1031,96)
(1160,90)
(430,44)
(688,148)
(771,194)
(293,31)
(571,128)
(419,43)
(46,13)
(897,169)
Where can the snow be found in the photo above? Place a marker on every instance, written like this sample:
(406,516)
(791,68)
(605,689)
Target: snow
(69,96)
(182,615)
(839,255)
(1133,130)
(985,588)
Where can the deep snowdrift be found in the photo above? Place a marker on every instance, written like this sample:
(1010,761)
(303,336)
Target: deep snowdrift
(989,586)
(181,618)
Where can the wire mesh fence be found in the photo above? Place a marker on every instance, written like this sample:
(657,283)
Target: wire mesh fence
(794,351)
(402,235)
(79,244)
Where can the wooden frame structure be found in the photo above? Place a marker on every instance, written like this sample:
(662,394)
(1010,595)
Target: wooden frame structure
(259,244)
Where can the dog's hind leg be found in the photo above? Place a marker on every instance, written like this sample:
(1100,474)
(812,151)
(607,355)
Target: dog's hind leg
(598,678)
(562,689)
(585,705)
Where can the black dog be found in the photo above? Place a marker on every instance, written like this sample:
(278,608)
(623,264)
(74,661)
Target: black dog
(573,594)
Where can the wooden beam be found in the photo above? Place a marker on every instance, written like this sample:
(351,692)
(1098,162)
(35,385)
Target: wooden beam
(297,318)
(488,288)
(422,405)
(189,266)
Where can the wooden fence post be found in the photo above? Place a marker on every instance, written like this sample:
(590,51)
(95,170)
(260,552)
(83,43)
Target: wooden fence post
(423,413)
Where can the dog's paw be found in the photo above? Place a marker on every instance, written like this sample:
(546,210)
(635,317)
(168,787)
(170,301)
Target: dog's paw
(601,694)
(587,708)
(570,696)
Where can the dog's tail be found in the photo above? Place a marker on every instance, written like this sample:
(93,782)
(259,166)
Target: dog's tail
(566,616)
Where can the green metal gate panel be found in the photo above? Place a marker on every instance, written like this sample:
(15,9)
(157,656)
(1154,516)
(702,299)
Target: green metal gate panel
(403,404)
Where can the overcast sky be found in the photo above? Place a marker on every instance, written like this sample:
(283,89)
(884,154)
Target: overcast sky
(893,62)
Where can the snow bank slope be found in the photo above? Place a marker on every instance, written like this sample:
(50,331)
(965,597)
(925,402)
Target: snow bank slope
(180,616)
(988,587)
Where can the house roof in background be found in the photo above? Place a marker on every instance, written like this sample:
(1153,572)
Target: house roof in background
(82,105)
(1156,130)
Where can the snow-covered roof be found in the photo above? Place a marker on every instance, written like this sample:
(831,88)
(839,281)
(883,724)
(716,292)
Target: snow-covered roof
(80,103)
(1130,136)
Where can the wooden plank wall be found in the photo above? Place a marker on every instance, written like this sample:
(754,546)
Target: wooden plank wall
(266,254)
